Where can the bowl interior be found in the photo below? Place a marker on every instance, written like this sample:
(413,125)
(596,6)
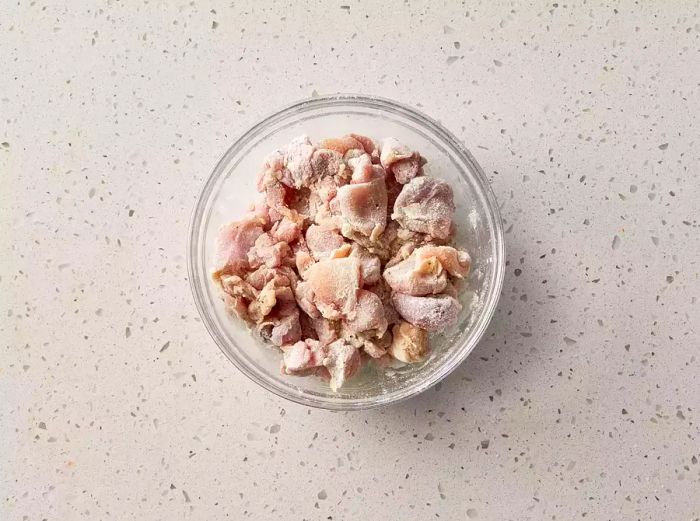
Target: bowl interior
(231,189)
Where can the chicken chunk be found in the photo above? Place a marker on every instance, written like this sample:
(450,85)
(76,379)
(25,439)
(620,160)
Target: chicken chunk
(341,144)
(409,343)
(364,207)
(322,241)
(393,151)
(383,291)
(335,283)
(269,252)
(285,230)
(433,313)
(234,242)
(415,276)
(369,315)
(425,205)
(342,361)
(401,162)
(363,170)
(406,169)
(326,330)
(370,265)
(326,163)
(305,299)
(303,357)
(281,330)
(368,144)
(456,262)
(297,161)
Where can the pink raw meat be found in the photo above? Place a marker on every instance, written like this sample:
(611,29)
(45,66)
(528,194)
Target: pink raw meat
(305,299)
(434,313)
(456,262)
(297,160)
(303,357)
(234,242)
(341,144)
(393,151)
(322,240)
(368,144)
(383,291)
(369,314)
(425,205)
(326,163)
(334,283)
(370,265)
(416,278)
(326,330)
(342,361)
(269,252)
(364,206)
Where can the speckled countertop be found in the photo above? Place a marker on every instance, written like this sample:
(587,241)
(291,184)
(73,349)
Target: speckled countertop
(583,399)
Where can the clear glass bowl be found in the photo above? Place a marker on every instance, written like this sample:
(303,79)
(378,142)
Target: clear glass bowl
(231,188)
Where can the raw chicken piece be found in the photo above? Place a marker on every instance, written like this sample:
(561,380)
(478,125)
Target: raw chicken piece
(342,361)
(305,298)
(434,313)
(322,241)
(409,344)
(377,347)
(260,210)
(369,315)
(238,294)
(276,299)
(363,171)
(406,169)
(456,262)
(236,305)
(383,291)
(281,331)
(263,304)
(285,230)
(334,283)
(302,256)
(235,286)
(284,276)
(326,330)
(278,197)
(341,144)
(234,242)
(417,277)
(326,163)
(364,206)
(304,357)
(368,144)
(370,265)
(400,161)
(269,252)
(393,151)
(375,248)
(425,205)
(297,161)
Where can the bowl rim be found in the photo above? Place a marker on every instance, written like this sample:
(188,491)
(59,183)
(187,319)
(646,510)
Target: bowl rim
(194,263)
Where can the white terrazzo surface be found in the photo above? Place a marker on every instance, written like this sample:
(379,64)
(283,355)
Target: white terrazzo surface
(583,400)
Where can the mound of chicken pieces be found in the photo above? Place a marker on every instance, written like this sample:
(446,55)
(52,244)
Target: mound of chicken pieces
(345,258)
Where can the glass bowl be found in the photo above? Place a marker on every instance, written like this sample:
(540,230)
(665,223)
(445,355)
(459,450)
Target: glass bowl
(231,188)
